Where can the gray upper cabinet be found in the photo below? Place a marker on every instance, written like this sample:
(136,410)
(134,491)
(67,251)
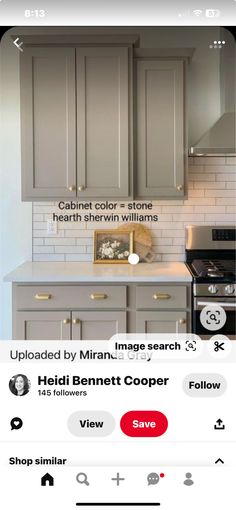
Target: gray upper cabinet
(160,128)
(48,122)
(103,121)
(75,122)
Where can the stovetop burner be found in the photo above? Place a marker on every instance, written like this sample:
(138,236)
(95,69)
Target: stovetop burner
(205,268)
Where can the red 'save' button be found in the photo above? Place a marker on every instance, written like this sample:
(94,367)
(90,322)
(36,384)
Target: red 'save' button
(143,423)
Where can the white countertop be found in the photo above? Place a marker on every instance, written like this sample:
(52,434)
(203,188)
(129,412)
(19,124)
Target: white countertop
(68,272)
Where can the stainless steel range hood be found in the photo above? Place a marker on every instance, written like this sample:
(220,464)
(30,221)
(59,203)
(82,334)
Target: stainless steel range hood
(218,140)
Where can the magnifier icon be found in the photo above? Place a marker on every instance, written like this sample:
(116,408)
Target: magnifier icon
(82,478)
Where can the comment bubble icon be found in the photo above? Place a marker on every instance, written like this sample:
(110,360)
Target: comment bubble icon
(153,479)
(16,423)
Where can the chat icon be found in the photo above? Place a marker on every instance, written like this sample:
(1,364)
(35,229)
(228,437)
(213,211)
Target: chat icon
(16,423)
(153,478)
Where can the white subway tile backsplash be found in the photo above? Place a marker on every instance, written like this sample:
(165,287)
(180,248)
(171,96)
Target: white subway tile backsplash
(202,177)
(208,161)
(226,177)
(211,209)
(211,200)
(161,242)
(175,257)
(218,169)
(222,201)
(48,258)
(43,249)
(61,241)
(210,185)
(220,193)
(70,249)
(173,233)
(79,258)
(196,193)
(166,225)
(231,160)
(220,217)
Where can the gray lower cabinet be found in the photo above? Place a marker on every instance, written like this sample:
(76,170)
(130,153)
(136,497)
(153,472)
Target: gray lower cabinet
(69,325)
(75,109)
(97,325)
(97,312)
(42,325)
(160,128)
(161,322)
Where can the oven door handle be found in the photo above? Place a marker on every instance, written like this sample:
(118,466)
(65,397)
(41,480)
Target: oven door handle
(216,303)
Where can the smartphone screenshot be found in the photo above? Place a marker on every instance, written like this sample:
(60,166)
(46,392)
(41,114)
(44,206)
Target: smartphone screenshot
(117,255)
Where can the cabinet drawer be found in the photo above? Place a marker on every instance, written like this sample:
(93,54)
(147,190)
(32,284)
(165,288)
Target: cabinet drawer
(48,297)
(161,297)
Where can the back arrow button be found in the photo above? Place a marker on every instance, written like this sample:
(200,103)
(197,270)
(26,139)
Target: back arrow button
(18,45)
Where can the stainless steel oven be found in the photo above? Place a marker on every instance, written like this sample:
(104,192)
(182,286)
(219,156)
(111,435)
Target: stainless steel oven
(210,257)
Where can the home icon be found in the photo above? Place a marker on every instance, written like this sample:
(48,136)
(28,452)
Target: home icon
(47,480)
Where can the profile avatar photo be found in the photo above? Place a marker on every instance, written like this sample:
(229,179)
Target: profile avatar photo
(19,385)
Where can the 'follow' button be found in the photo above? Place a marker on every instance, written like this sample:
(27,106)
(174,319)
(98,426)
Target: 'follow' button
(91,423)
(204,385)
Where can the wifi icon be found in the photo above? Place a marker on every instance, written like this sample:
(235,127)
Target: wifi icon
(197,12)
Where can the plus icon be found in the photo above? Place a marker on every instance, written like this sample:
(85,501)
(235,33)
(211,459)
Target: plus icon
(118,479)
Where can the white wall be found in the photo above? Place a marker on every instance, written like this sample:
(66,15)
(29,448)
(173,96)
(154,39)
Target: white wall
(15,216)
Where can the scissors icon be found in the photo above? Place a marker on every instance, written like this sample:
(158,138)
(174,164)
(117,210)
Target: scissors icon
(82,478)
(219,346)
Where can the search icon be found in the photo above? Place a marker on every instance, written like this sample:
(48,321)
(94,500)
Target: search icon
(82,478)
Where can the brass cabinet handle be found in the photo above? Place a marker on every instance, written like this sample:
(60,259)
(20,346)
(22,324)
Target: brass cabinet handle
(71,188)
(97,295)
(81,187)
(43,297)
(161,296)
(182,321)
(76,321)
(66,321)
(180,187)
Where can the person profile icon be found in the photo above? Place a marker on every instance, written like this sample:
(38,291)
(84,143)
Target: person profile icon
(188,480)
(19,385)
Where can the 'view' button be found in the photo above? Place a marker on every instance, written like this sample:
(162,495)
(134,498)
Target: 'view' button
(91,423)
(143,423)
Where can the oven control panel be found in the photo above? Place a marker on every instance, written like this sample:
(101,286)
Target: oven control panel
(223,234)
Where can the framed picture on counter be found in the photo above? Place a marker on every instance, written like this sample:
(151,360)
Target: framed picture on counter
(112,246)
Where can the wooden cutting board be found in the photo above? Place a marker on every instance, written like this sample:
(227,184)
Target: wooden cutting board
(142,238)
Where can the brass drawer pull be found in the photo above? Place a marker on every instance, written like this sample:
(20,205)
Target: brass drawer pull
(76,321)
(81,187)
(43,297)
(180,187)
(161,296)
(66,321)
(96,295)
(71,188)
(182,321)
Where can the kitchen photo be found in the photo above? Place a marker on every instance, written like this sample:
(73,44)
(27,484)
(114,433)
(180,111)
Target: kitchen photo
(117,182)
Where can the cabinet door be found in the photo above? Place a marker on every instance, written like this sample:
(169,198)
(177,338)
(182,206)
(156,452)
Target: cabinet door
(160,128)
(42,326)
(97,325)
(102,122)
(48,116)
(161,322)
